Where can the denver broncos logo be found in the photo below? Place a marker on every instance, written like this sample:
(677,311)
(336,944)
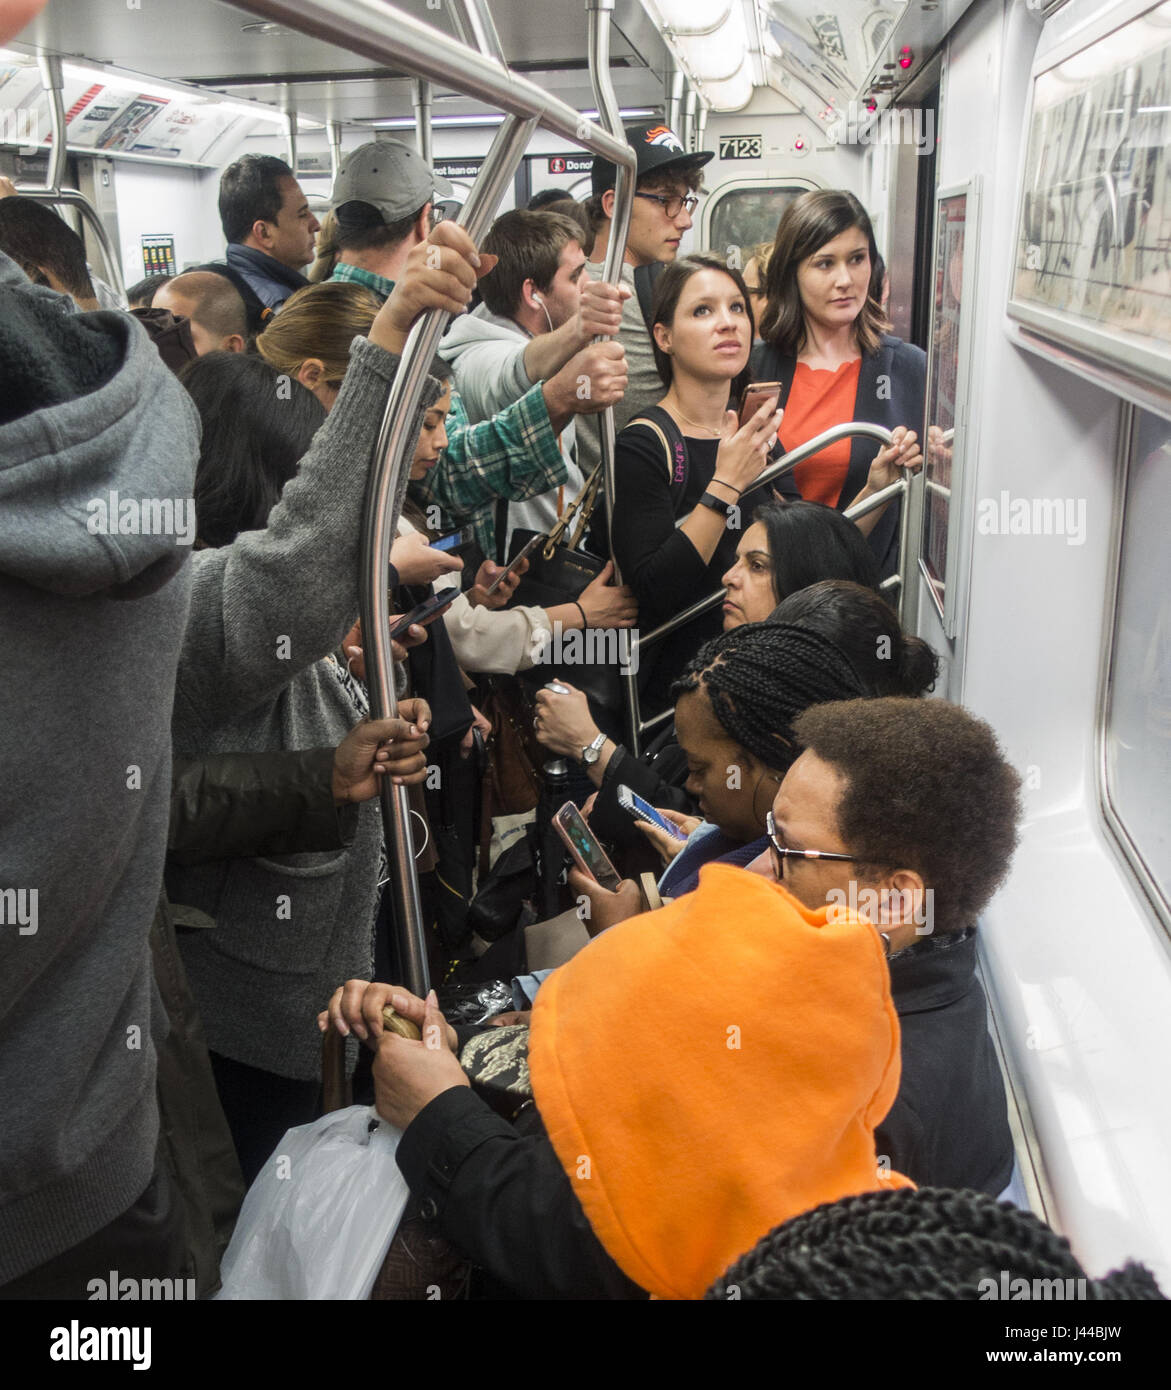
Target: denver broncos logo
(663,135)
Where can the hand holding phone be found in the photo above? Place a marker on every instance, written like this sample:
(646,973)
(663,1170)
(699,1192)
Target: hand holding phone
(424,612)
(641,810)
(521,556)
(582,843)
(756,393)
(453,540)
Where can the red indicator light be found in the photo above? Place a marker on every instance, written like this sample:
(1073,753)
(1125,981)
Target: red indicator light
(906,57)
(799,144)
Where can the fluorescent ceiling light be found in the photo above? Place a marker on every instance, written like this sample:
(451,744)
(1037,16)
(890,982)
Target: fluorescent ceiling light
(710,42)
(627,113)
(732,93)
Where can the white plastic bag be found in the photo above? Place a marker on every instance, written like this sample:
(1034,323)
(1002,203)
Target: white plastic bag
(320,1217)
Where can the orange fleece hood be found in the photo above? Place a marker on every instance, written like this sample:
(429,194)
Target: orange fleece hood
(712,1069)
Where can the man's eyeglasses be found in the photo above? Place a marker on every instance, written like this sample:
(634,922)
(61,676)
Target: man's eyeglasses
(780,853)
(672,203)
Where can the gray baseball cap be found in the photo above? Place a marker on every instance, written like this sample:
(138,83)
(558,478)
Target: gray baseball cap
(388,176)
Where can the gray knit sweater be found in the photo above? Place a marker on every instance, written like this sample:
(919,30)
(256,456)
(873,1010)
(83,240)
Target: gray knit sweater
(265,613)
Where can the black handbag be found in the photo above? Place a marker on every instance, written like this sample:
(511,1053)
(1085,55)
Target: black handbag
(558,572)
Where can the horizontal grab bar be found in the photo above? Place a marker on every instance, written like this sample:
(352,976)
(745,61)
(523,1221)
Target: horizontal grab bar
(398,40)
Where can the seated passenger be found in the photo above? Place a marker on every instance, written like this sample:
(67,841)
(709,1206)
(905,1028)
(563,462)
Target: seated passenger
(685,468)
(268,609)
(48,250)
(688,1076)
(923,1245)
(787,547)
(539,309)
(513,455)
(214,307)
(912,810)
(268,226)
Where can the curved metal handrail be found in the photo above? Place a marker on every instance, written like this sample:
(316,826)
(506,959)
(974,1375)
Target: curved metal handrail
(393,38)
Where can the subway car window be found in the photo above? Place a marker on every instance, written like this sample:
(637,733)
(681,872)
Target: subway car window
(1138,722)
(743,219)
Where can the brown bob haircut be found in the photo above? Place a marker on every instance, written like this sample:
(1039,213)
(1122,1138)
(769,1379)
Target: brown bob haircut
(808,223)
(669,288)
(529,245)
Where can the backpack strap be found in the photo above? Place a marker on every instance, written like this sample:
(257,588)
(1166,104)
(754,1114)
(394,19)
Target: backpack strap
(670,436)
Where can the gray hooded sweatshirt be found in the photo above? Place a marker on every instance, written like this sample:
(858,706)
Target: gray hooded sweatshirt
(98,444)
(486,355)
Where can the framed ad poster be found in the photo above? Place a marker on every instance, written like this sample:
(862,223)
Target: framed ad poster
(948,359)
(1092,262)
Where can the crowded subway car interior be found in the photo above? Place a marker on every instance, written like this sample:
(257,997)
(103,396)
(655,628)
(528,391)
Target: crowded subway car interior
(593,575)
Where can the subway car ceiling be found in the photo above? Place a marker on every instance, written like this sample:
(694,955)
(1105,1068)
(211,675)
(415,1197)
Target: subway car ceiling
(761,57)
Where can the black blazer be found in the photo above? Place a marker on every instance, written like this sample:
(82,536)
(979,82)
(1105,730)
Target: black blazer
(892,385)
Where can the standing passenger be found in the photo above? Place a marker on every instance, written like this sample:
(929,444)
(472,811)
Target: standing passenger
(219,322)
(667,180)
(268,226)
(825,341)
(539,309)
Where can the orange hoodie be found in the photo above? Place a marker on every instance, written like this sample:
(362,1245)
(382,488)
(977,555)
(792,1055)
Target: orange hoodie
(709,1070)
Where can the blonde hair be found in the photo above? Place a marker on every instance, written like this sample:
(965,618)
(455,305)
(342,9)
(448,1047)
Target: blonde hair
(321,321)
(327,250)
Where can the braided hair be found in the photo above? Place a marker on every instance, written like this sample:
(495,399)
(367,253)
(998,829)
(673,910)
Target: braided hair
(760,676)
(930,1244)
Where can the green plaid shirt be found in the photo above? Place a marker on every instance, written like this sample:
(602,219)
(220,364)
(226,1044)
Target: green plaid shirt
(514,455)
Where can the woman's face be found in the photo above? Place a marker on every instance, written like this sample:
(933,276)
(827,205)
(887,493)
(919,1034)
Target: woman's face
(749,595)
(432,437)
(734,791)
(834,281)
(710,334)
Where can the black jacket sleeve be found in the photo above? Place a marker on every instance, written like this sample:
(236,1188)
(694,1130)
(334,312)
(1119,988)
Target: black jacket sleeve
(505,1201)
(240,805)
(657,560)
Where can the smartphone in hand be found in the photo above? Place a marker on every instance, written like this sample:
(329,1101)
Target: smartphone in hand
(635,806)
(582,843)
(522,554)
(755,395)
(453,540)
(424,612)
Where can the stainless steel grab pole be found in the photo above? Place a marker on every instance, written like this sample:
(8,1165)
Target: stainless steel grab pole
(675,100)
(421,101)
(384,499)
(475,26)
(54,85)
(393,38)
(608,114)
(335,148)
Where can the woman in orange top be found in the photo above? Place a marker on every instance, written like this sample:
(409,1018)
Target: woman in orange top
(825,340)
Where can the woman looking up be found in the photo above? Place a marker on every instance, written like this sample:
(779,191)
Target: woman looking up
(825,340)
(685,469)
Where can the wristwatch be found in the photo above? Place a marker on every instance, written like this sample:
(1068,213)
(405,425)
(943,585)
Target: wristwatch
(717,504)
(593,751)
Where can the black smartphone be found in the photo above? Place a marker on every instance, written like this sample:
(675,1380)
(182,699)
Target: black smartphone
(522,554)
(755,395)
(425,611)
(453,540)
(582,843)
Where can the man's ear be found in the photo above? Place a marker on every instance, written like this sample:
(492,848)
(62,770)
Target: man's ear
(259,233)
(907,908)
(235,343)
(608,202)
(422,223)
(527,290)
(311,373)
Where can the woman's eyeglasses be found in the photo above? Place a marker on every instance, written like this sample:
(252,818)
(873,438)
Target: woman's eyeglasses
(780,853)
(671,203)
